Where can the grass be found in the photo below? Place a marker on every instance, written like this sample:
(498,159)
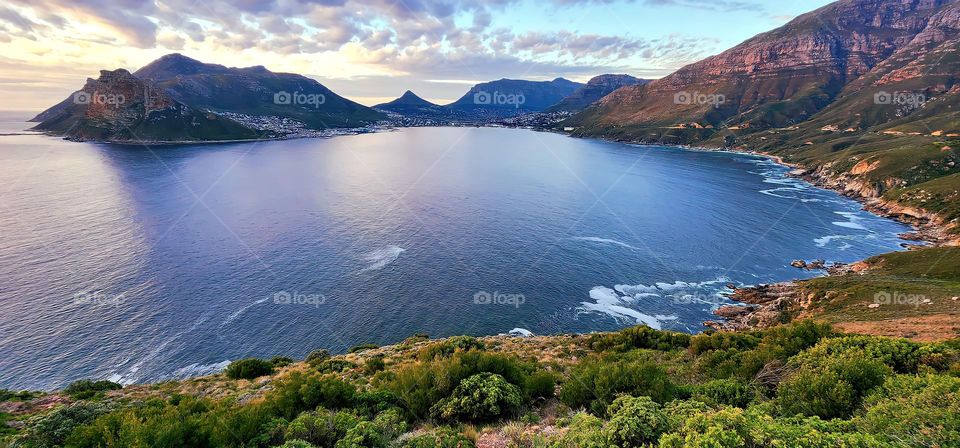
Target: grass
(932,274)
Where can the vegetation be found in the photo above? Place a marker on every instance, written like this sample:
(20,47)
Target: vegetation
(801,384)
(249,369)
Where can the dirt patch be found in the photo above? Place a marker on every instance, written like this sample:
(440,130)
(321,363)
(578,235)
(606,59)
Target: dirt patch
(937,327)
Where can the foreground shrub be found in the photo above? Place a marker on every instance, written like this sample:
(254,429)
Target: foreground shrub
(727,392)
(634,422)
(541,384)
(54,428)
(248,369)
(299,392)
(585,431)
(831,388)
(449,346)
(379,433)
(923,410)
(482,397)
(421,385)
(317,356)
(322,428)
(725,428)
(594,384)
(901,355)
(442,437)
(639,337)
(180,422)
(84,389)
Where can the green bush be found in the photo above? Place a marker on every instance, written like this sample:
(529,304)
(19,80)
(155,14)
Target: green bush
(9,395)
(442,437)
(541,384)
(901,355)
(334,365)
(832,387)
(921,409)
(379,433)
(375,402)
(595,383)
(85,389)
(280,361)
(299,392)
(362,347)
(726,428)
(482,397)
(706,342)
(635,422)
(449,346)
(322,428)
(297,444)
(374,364)
(585,431)
(54,429)
(317,356)
(180,422)
(639,337)
(248,369)
(421,385)
(727,392)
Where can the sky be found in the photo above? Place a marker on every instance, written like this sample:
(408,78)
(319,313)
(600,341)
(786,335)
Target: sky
(371,51)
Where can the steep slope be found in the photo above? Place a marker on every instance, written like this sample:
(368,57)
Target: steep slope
(510,97)
(773,80)
(120,107)
(597,88)
(255,91)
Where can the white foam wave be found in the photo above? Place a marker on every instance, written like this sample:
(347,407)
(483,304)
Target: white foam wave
(132,374)
(852,222)
(595,239)
(610,303)
(382,257)
(242,310)
(200,369)
(520,332)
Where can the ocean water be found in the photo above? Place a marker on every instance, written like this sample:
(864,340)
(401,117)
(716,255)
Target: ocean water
(137,264)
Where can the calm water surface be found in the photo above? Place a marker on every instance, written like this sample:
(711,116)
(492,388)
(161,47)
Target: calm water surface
(136,265)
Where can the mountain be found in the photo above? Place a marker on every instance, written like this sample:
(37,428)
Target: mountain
(775,79)
(510,97)
(597,88)
(255,91)
(861,94)
(409,104)
(120,107)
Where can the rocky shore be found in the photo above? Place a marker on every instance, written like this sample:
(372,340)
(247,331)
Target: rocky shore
(768,305)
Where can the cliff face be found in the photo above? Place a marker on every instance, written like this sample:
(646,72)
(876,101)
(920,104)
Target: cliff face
(121,107)
(781,77)
(597,88)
